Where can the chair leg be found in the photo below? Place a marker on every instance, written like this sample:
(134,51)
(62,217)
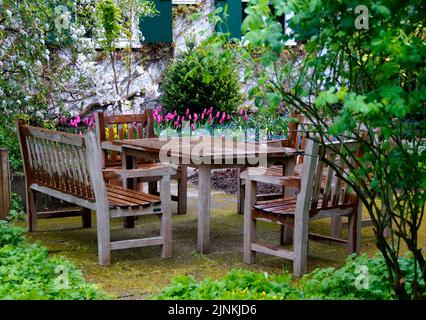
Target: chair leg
(86,217)
(166,218)
(249,222)
(32,210)
(336,227)
(354,230)
(286,235)
(104,236)
(152,187)
(183,190)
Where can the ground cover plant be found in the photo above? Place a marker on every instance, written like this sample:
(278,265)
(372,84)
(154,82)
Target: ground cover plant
(27,272)
(360,278)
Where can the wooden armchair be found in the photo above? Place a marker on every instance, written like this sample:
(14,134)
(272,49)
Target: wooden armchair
(296,139)
(322,194)
(69,167)
(135,126)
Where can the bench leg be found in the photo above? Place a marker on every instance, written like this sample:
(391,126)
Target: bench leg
(183,191)
(166,218)
(86,217)
(32,210)
(104,237)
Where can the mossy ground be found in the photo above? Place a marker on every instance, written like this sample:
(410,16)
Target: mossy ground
(137,273)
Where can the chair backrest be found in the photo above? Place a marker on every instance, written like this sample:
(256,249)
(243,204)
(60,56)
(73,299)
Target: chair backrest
(66,162)
(121,127)
(322,179)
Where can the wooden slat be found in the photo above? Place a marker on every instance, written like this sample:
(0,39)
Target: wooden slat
(125,118)
(53,135)
(133,194)
(136,243)
(275,251)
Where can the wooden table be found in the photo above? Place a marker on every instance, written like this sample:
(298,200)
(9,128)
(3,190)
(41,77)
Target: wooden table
(205,153)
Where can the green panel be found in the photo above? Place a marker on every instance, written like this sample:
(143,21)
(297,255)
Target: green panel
(232,23)
(159,28)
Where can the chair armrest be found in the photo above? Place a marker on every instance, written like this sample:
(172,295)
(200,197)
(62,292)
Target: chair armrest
(112,173)
(108,145)
(286,181)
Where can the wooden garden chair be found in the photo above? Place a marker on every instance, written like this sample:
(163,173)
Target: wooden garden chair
(69,167)
(296,139)
(136,126)
(322,194)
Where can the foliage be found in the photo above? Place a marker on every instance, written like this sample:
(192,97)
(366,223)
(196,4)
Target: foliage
(9,140)
(236,285)
(17,211)
(362,84)
(349,282)
(202,77)
(26,271)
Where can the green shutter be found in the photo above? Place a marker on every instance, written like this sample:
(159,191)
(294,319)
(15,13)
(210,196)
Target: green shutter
(232,23)
(159,28)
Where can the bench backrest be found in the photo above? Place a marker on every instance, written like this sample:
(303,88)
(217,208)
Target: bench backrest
(65,162)
(321,182)
(121,127)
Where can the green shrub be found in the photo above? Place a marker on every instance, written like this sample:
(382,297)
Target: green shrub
(26,271)
(9,140)
(17,211)
(360,278)
(201,78)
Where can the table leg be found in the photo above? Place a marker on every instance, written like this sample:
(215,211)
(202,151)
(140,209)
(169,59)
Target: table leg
(204,188)
(129,162)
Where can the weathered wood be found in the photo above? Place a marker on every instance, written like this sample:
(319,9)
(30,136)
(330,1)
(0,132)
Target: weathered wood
(204,187)
(72,171)
(265,248)
(136,243)
(249,222)
(138,126)
(166,217)
(5,193)
(303,206)
(320,196)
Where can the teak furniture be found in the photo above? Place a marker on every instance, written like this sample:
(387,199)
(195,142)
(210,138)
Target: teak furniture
(322,194)
(69,167)
(205,153)
(135,126)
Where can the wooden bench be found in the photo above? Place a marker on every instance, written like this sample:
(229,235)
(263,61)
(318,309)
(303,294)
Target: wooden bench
(322,194)
(135,126)
(69,167)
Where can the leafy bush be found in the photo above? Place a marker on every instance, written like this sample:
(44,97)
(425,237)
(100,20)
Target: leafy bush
(9,140)
(26,271)
(201,78)
(17,211)
(360,278)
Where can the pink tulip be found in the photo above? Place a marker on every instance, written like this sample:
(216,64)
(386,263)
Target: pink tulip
(192,127)
(228,117)
(91,121)
(195,117)
(245,117)
(217,115)
(210,118)
(202,116)
(175,113)
(241,112)
(183,119)
(224,115)
(159,119)
(86,121)
(178,118)
(190,117)
(187,112)
(63,120)
(210,110)
(176,124)
(205,110)
(77,119)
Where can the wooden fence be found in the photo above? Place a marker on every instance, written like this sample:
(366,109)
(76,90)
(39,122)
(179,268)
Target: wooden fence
(5,193)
